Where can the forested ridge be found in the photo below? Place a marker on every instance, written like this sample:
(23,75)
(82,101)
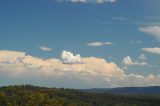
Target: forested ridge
(148,90)
(28,95)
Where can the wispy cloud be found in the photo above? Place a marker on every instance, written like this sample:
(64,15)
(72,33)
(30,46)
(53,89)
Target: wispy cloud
(121,18)
(155,50)
(88,1)
(153,30)
(126,20)
(142,57)
(145,22)
(153,17)
(44,48)
(136,42)
(97,44)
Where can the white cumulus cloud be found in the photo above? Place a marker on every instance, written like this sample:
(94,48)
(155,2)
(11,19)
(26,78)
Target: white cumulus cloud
(128,61)
(70,58)
(20,68)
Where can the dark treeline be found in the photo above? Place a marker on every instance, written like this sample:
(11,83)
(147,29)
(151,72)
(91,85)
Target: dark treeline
(27,95)
(150,90)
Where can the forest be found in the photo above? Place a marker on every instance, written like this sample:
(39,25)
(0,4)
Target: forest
(28,95)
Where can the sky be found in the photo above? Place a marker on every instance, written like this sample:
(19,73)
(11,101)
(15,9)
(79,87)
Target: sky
(80,43)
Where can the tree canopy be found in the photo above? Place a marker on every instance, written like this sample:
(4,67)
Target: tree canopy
(28,95)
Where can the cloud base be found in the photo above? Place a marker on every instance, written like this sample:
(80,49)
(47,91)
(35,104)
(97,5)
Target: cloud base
(19,68)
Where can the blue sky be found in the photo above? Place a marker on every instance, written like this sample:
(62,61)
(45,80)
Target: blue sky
(126,32)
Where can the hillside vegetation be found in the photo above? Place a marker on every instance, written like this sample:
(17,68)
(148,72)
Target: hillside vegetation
(150,90)
(27,95)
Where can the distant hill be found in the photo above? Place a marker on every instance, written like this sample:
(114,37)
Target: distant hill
(154,90)
(28,95)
